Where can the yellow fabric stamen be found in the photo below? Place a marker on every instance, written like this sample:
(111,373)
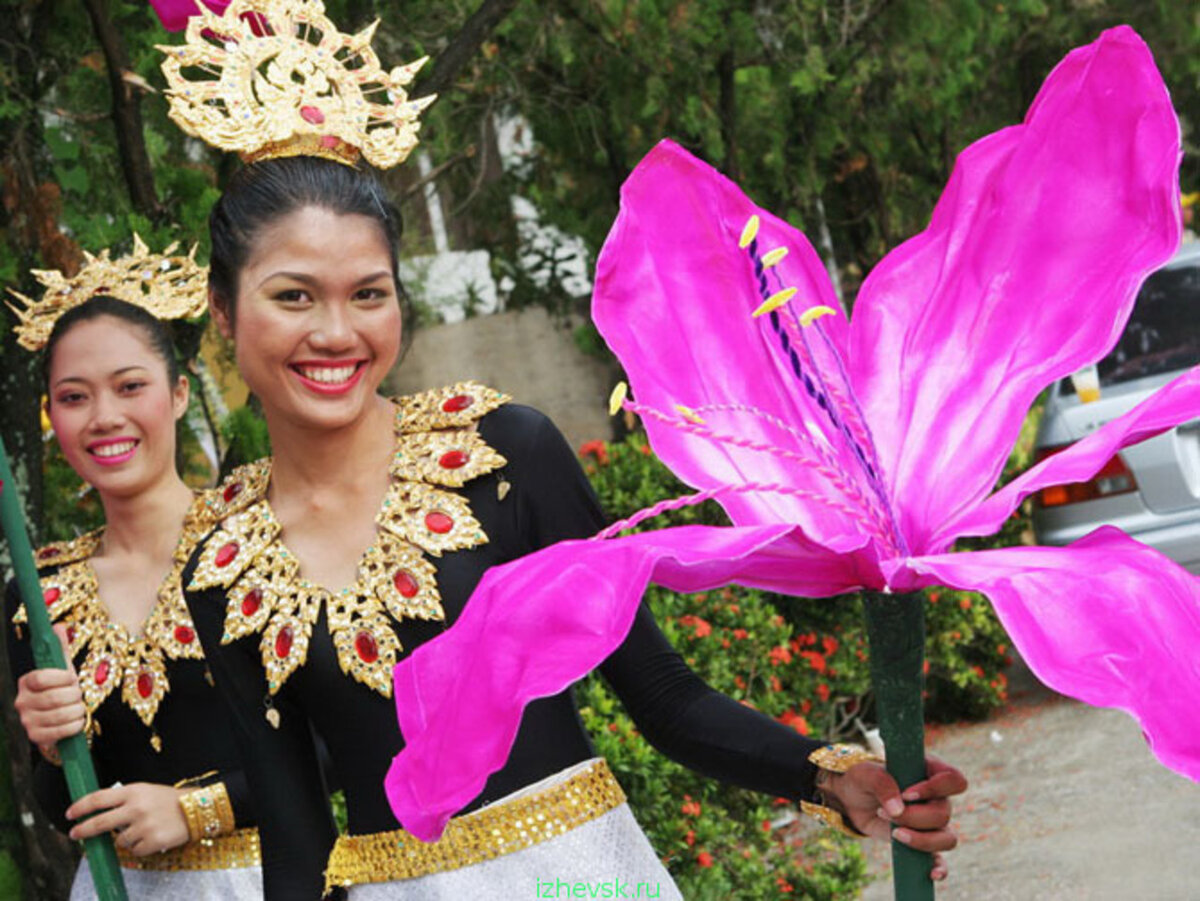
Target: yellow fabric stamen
(689,414)
(617,398)
(809,316)
(749,232)
(770,259)
(775,301)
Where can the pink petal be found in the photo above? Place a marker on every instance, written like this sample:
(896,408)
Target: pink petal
(1028,271)
(1176,402)
(174,14)
(1106,620)
(539,624)
(674,296)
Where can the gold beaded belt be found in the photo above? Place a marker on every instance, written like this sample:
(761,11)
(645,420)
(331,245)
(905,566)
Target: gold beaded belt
(485,834)
(226,852)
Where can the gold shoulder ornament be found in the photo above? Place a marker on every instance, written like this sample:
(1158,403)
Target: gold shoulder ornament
(276,78)
(112,657)
(168,285)
(437,448)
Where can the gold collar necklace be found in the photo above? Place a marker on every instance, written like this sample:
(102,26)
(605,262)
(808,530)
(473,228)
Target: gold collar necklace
(113,656)
(436,448)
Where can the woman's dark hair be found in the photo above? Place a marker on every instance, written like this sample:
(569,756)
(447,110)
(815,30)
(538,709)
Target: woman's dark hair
(261,193)
(156,332)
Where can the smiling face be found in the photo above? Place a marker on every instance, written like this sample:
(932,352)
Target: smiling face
(112,407)
(317,321)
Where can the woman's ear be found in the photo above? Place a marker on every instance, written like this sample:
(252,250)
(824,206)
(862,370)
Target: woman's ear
(220,314)
(179,397)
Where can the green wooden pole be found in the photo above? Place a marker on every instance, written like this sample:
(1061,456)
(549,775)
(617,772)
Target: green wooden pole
(896,633)
(47,653)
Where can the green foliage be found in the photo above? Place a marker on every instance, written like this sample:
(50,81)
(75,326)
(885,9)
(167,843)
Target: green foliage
(246,437)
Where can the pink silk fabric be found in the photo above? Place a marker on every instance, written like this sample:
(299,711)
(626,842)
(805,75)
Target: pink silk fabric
(851,454)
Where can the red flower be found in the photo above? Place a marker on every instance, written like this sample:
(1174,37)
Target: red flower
(597,449)
(780,655)
(965,603)
(815,660)
(690,838)
(703,627)
(823,691)
(740,634)
(795,720)
(690,808)
(830,644)
(704,859)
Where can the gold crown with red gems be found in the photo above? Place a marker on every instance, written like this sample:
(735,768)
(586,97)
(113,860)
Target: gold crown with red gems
(275,78)
(167,285)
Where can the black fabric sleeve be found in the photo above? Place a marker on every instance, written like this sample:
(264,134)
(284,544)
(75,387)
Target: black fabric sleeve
(49,784)
(677,711)
(280,765)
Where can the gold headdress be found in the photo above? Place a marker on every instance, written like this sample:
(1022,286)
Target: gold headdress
(273,78)
(169,286)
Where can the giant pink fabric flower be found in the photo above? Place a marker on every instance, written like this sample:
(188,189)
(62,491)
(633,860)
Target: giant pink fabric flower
(851,455)
(174,14)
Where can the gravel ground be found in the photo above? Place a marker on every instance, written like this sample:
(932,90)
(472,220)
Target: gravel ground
(1066,803)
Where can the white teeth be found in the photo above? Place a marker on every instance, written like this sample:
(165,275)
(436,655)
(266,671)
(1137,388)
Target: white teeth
(328,375)
(113,450)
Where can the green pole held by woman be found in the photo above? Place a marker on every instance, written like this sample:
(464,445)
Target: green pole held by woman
(73,750)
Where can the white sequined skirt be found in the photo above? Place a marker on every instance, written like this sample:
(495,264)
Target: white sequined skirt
(177,885)
(609,857)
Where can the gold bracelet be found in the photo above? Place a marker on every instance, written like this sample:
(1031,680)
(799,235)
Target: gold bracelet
(207,811)
(834,759)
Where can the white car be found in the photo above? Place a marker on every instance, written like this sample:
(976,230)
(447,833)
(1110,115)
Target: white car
(1150,490)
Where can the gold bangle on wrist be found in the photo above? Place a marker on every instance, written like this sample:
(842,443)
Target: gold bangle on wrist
(207,811)
(834,760)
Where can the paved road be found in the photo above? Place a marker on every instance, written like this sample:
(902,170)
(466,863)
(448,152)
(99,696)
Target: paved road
(1066,802)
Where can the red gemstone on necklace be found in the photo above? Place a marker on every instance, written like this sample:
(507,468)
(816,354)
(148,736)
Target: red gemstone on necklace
(50,595)
(283,642)
(184,634)
(405,583)
(46,552)
(458,403)
(145,684)
(438,522)
(232,491)
(366,648)
(70,635)
(454,459)
(226,554)
(101,675)
(251,602)
(312,115)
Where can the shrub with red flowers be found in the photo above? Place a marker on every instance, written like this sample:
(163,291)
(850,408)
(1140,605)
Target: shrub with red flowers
(800,661)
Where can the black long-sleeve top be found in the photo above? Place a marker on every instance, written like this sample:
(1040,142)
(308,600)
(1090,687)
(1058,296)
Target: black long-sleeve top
(550,500)
(190,723)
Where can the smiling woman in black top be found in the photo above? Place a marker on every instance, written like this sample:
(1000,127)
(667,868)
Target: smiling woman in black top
(139,687)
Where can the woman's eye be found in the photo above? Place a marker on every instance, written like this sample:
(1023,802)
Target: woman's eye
(292,295)
(68,397)
(370,294)
(131,387)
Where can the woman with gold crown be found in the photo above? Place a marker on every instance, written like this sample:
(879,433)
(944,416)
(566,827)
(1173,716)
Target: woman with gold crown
(365,534)
(177,801)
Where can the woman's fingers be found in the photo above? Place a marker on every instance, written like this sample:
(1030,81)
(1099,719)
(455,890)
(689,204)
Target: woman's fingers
(103,799)
(926,815)
(935,840)
(940,871)
(108,821)
(943,781)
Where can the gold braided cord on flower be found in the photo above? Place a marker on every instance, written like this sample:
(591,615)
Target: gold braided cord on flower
(275,78)
(167,285)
